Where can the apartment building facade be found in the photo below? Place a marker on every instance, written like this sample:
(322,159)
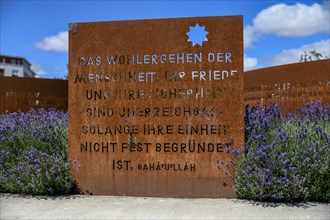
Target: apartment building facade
(14,66)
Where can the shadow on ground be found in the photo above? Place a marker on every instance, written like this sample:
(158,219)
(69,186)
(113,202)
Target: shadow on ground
(44,197)
(294,204)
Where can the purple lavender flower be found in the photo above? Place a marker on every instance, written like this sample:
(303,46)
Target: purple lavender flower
(282,151)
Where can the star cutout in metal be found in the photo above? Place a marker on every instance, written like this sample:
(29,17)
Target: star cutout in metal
(197,34)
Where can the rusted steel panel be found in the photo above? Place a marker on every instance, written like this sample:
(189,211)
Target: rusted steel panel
(163,106)
(26,93)
(289,85)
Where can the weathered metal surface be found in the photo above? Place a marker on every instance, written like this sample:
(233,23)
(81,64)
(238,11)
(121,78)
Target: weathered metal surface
(26,93)
(126,163)
(289,85)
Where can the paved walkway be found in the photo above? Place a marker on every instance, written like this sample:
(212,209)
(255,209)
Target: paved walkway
(111,207)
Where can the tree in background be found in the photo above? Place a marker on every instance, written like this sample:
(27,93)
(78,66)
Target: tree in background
(312,56)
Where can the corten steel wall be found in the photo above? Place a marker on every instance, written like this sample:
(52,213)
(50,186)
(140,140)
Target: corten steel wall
(289,85)
(25,93)
(106,172)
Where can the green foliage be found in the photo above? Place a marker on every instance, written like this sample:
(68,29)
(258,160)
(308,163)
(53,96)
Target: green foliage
(312,56)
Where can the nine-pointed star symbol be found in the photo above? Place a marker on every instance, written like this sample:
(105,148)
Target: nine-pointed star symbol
(197,34)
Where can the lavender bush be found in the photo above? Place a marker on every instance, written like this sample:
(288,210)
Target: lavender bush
(33,152)
(287,157)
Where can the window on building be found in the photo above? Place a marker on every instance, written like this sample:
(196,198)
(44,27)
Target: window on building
(14,73)
(3,60)
(2,72)
(13,61)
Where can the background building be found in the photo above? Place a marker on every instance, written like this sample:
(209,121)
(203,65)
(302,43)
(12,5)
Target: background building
(15,66)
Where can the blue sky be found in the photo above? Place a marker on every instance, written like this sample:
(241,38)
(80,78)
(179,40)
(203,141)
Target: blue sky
(275,32)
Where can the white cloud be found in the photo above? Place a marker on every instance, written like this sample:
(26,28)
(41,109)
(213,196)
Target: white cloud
(289,20)
(250,63)
(56,68)
(293,55)
(249,37)
(292,20)
(57,43)
(38,70)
